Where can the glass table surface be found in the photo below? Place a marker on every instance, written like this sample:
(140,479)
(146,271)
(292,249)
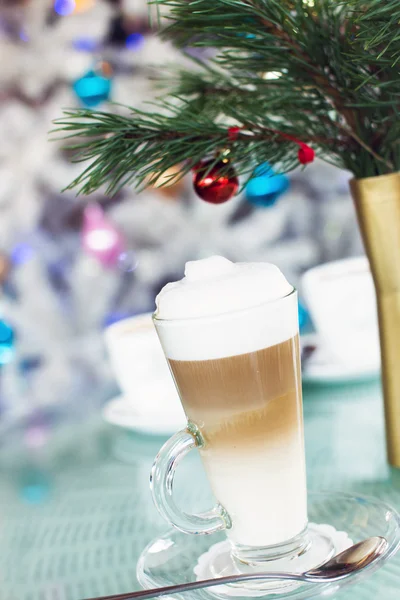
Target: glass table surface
(76,512)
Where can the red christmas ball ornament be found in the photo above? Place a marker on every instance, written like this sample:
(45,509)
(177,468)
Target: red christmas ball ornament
(216,185)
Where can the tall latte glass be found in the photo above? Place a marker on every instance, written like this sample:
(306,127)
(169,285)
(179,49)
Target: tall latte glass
(230,335)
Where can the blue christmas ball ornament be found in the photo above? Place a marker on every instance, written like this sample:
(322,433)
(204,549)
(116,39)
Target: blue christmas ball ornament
(6,342)
(248,36)
(304,317)
(265,187)
(94,87)
(135,41)
(64,7)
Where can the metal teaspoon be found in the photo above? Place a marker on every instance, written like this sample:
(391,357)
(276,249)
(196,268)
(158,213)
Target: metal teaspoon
(353,559)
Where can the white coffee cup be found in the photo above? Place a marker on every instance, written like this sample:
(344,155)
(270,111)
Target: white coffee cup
(140,368)
(341,298)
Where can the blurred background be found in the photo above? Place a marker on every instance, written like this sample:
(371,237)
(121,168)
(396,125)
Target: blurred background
(70,266)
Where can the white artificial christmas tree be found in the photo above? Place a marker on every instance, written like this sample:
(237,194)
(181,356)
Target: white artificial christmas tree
(60,298)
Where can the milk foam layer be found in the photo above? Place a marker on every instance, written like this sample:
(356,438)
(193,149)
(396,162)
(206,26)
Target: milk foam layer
(222,309)
(216,286)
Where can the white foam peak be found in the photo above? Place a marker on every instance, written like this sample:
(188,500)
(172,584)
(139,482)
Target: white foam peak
(216,286)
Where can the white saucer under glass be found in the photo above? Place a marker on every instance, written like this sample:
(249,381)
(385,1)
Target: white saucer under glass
(122,413)
(336,521)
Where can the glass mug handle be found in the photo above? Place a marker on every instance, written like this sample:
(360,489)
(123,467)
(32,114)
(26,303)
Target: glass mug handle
(162,482)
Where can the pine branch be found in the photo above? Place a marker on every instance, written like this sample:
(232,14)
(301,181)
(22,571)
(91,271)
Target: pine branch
(324,74)
(139,148)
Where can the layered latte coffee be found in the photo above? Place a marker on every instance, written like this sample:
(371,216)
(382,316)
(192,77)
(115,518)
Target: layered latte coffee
(230,335)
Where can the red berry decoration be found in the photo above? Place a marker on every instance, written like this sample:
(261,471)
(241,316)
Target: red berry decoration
(306,154)
(217,185)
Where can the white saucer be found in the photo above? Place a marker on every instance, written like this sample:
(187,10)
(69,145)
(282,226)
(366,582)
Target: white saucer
(321,367)
(121,413)
(323,543)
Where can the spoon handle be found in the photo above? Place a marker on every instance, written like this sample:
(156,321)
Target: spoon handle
(196,585)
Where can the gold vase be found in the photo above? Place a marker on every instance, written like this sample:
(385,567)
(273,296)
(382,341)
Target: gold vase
(377,201)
